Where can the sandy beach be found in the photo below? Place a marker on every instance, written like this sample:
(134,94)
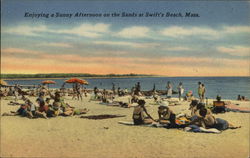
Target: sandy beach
(78,137)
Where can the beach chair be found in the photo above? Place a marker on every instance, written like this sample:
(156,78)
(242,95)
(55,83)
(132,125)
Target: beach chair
(219,107)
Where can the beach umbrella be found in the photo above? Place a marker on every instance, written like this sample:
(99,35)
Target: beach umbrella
(48,82)
(3,83)
(77,80)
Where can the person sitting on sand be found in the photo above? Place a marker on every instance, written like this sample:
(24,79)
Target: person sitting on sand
(166,115)
(33,112)
(207,120)
(139,116)
(189,96)
(50,111)
(195,106)
(60,106)
(242,98)
(41,102)
(134,99)
(58,101)
(3,93)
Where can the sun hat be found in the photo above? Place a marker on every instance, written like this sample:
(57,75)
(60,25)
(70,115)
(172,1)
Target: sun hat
(164,104)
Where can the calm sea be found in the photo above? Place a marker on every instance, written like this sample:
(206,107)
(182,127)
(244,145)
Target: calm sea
(227,87)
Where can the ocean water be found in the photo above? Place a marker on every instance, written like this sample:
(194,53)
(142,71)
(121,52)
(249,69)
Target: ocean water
(227,87)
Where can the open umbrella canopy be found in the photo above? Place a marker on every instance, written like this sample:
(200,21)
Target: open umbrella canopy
(77,80)
(2,82)
(48,82)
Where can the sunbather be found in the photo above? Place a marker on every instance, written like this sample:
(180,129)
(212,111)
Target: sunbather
(139,116)
(166,115)
(207,120)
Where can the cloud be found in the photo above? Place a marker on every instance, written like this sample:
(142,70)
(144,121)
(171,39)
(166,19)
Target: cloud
(86,30)
(131,44)
(203,32)
(177,48)
(177,31)
(236,29)
(26,30)
(235,50)
(64,45)
(134,32)
(12,51)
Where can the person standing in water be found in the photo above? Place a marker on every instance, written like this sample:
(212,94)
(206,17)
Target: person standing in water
(169,90)
(200,90)
(203,91)
(180,90)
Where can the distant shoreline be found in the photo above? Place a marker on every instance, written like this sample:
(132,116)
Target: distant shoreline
(103,77)
(43,78)
(71,75)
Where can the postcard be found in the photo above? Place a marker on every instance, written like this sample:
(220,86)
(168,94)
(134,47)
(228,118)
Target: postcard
(125,79)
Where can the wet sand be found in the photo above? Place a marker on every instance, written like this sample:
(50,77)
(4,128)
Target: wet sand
(77,137)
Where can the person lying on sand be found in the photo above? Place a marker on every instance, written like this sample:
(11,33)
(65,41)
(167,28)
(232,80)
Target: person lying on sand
(22,111)
(28,109)
(80,111)
(207,120)
(140,114)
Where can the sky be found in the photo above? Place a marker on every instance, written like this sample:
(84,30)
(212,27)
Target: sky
(214,43)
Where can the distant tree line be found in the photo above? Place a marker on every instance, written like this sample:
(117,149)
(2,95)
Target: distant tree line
(68,75)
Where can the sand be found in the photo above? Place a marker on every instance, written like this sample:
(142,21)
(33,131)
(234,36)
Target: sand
(77,137)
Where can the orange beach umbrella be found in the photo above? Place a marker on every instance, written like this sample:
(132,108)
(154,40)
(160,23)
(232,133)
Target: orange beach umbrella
(48,82)
(77,80)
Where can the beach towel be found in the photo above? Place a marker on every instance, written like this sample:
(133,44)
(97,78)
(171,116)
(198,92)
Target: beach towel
(110,104)
(194,128)
(103,116)
(234,108)
(156,125)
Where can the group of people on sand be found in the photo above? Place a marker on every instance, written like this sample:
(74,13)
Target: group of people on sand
(44,109)
(242,98)
(199,116)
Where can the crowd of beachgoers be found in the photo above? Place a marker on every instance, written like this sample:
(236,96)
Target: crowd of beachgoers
(51,103)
